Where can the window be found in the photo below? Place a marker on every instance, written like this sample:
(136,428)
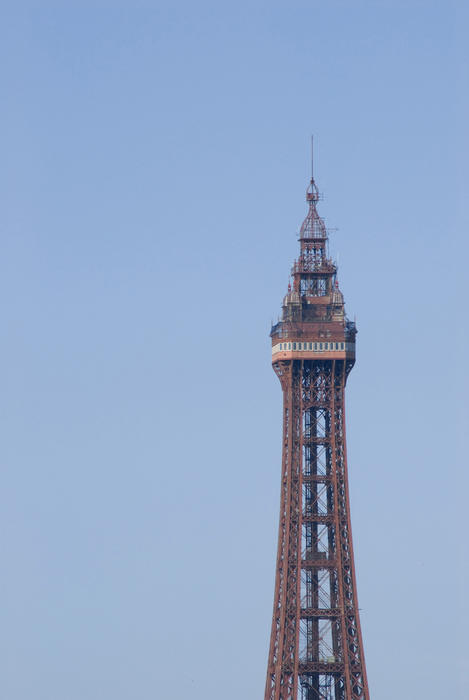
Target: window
(294,346)
(310,346)
(341,346)
(289,346)
(315,346)
(320,346)
(280,346)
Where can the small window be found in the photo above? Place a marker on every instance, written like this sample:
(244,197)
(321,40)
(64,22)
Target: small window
(294,346)
(337,346)
(280,346)
(289,346)
(299,346)
(315,346)
(341,346)
(320,346)
(310,346)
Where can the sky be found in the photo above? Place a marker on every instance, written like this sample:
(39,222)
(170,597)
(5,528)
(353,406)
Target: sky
(154,162)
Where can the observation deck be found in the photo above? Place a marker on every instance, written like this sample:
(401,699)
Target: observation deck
(313,350)
(326,340)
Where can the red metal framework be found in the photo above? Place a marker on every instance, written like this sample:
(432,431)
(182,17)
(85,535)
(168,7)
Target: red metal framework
(316,648)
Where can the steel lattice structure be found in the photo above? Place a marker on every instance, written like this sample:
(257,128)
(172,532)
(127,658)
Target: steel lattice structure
(316,648)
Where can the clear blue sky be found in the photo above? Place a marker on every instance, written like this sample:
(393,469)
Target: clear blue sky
(154,161)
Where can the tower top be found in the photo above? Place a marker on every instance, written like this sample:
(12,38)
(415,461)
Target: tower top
(313,308)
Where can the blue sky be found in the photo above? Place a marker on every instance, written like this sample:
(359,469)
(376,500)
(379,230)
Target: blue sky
(155,157)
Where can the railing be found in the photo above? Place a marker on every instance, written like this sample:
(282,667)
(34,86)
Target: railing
(312,265)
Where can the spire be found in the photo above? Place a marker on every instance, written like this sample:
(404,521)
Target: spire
(313,226)
(312,193)
(313,271)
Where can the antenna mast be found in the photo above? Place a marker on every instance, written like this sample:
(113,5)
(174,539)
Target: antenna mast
(312,158)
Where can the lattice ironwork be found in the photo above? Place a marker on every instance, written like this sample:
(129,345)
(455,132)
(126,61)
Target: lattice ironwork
(316,650)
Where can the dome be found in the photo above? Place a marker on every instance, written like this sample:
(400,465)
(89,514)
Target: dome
(292,297)
(337,296)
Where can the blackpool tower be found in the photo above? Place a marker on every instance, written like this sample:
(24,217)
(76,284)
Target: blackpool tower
(316,648)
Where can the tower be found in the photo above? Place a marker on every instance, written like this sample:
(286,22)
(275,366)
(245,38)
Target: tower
(316,648)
